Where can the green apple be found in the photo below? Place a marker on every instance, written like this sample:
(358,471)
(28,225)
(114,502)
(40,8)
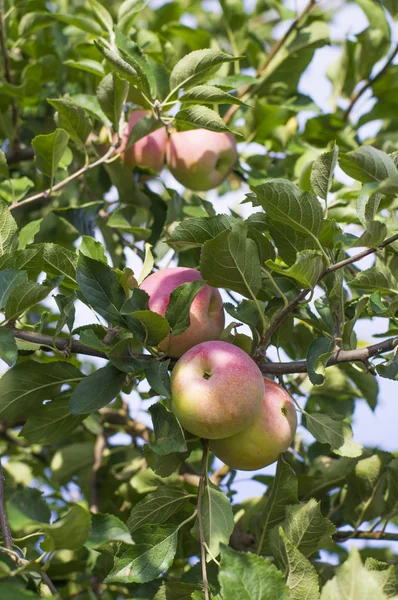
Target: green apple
(270,434)
(217,390)
(201,159)
(206,313)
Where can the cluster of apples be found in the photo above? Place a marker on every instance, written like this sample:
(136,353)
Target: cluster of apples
(199,159)
(218,391)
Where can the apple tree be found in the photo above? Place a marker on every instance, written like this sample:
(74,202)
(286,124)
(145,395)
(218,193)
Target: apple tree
(287,208)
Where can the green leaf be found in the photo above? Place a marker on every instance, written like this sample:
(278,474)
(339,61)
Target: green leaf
(102,15)
(101,288)
(208,94)
(375,279)
(66,305)
(318,354)
(217,518)
(60,261)
(70,532)
(337,434)
(353,582)
(81,21)
(112,94)
(120,66)
(176,590)
(157,507)
(13,190)
(247,576)
(8,346)
(107,528)
(121,355)
(8,229)
(158,377)
(23,297)
(51,422)
(128,11)
(231,261)
(27,234)
(153,553)
(169,436)
(4,172)
(385,575)
(306,270)
(196,67)
(15,592)
(86,64)
(27,506)
(72,118)
(367,164)
(49,150)
(285,203)
(9,279)
(305,527)
(364,500)
(302,579)
(154,327)
(322,172)
(179,306)
(147,267)
(142,128)
(25,386)
(195,232)
(271,510)
(200,117)
(93,249)
(96,390)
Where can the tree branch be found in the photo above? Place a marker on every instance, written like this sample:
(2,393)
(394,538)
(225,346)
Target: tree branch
(341,356)
(271,54)
(343,536)
(294,303)
(99,448)
(58,186)
(4,526)
(369,84)
(202,483)
(19,154)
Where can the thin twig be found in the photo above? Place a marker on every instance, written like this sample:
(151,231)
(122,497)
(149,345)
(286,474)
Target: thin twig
(46,193)
(4,526)
(369,84)
(99,448)
(202,483)
(248,90)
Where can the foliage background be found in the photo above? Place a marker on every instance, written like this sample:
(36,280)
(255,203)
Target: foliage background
(121,521)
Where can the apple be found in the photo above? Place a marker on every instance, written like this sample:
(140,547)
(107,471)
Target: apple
(148,152)
(201,159)
(270,434)
(206,313)
(217,390)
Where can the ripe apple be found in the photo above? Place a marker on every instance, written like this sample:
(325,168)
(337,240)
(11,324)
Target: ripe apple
(148,152)
(270,434)
(217,390)
(206,313)
(201,159)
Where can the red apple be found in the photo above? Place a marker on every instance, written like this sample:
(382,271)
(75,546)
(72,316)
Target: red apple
(201,159)
(270,434)
(206,313)
(217,390)
(148,152)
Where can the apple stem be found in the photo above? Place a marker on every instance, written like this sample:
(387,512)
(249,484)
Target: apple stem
(202,483)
